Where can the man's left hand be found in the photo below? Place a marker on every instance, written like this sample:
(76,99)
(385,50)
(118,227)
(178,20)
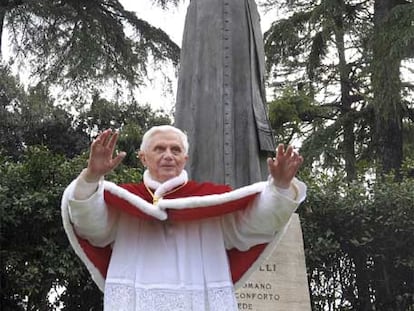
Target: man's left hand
(284,166)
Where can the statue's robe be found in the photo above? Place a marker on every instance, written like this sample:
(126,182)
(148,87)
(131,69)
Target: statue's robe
(221,93)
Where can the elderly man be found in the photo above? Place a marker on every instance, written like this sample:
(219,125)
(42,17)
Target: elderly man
(170,243)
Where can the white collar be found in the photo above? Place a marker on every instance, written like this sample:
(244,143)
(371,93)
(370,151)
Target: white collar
(161,188)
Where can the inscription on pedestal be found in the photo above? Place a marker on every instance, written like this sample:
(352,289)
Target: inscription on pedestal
(280,283)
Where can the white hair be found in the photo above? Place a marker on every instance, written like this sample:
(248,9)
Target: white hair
(146,139)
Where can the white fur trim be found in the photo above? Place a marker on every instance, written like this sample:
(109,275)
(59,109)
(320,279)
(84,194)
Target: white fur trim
(135,200)
(67,225)
(161,188)
(158,211)
(212,199)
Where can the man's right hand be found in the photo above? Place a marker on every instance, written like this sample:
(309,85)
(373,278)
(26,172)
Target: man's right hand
(101,158)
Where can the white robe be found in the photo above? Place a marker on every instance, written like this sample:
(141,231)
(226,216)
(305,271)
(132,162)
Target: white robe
(161,265)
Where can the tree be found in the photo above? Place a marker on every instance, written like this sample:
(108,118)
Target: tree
(131,119)
(35,255)
(309,51)
(323,56)
(11,93)
(340,45)
(345,229)
(31,118)
(393,39)
(83,42)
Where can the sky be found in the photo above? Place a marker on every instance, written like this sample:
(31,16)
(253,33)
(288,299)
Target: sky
(158,92)
(171,20)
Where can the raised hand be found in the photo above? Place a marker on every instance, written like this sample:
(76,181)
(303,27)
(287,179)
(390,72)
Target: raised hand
(284,166)
(101,157)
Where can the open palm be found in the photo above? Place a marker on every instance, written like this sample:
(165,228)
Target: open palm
(101,158)
(284,166)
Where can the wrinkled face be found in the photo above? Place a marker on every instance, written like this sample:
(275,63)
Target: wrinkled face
(165,157)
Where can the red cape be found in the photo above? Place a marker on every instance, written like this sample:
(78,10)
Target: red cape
(239,261)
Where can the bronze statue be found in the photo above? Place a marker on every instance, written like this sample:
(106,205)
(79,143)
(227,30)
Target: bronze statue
(221,93)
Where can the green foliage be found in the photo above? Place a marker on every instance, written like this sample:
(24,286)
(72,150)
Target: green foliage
(285,42)
(390,21)
(349,60)
(400,31)
(107,114)
(308,49)
(131,119)
(31,118)
(35,253)
(11,131)
(289,112)
(357,235)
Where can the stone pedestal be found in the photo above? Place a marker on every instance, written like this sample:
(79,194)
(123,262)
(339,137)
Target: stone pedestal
(280,283)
